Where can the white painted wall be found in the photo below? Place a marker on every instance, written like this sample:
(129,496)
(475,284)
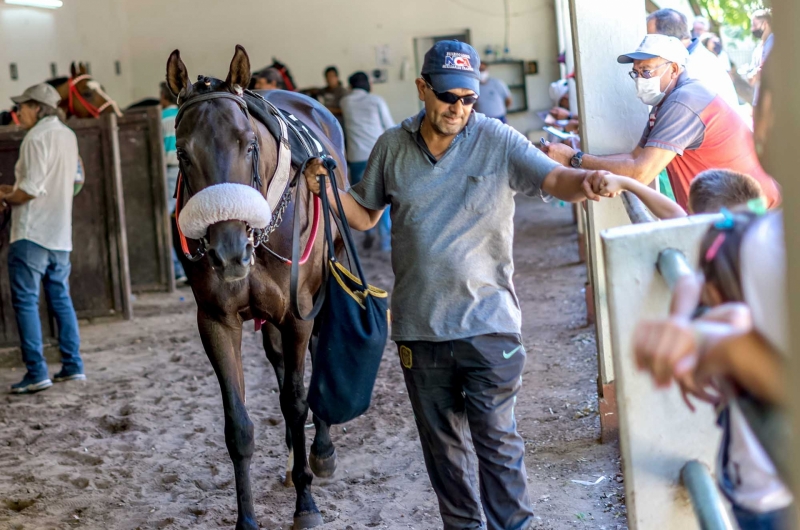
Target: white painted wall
(308,35)
(82,30)
(611,122)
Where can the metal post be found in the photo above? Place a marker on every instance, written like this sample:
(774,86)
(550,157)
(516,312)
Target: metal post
(636,209)
(672,265)
(706,500)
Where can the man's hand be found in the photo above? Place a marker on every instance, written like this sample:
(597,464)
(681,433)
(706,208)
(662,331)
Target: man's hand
(314,169)
(560,113)
(561,153)
(6,189)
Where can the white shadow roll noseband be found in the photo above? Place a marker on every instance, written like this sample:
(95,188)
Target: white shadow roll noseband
(223,202)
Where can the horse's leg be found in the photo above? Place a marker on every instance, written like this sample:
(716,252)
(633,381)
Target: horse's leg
(295,335)
(322,458)
(274,350)
(222,342)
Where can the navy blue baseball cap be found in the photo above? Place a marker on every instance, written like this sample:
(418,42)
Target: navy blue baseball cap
(452,64)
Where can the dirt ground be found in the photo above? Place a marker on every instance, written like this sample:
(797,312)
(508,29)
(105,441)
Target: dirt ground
(140,445)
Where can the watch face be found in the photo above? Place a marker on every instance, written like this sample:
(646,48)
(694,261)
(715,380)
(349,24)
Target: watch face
(575,161)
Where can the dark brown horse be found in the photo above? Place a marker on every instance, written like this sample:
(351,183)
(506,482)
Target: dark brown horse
(217,143)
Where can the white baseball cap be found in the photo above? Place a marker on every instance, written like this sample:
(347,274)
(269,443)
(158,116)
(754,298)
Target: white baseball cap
(41,93)
(655,45)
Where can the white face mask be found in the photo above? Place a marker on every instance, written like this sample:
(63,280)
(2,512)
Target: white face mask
(649,90)
(484,76)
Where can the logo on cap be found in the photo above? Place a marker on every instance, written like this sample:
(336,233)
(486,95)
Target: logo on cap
(457,61)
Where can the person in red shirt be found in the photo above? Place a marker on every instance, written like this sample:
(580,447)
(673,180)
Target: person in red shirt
(690,129)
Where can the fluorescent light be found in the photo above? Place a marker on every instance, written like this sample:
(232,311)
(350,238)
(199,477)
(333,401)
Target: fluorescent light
(47,4)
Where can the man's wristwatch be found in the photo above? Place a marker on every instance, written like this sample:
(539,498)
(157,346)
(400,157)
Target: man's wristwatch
(576,160)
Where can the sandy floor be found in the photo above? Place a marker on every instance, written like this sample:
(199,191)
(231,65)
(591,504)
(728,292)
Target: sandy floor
(140,445)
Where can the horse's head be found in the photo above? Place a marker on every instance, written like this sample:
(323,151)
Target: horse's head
(218,151)
(82,96)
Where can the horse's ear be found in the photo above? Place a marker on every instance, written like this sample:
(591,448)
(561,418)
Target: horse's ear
(177,76)
(73,70)
(82,69)
(239,74)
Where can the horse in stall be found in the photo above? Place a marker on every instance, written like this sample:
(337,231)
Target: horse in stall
(81,97)
(223,152)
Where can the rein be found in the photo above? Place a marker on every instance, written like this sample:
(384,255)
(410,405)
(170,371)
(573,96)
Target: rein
(258,237)
(91,109)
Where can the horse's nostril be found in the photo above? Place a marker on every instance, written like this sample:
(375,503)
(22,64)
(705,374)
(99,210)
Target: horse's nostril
(247,256)
(216,262)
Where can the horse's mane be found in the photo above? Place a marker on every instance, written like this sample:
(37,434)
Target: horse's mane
(57,81)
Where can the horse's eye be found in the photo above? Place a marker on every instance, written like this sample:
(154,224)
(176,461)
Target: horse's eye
(88,94)
(251,148)
(183,157)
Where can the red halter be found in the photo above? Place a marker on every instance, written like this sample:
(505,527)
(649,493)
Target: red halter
(74,93)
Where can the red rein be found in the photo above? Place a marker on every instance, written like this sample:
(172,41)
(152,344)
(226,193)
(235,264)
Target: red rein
(309,244)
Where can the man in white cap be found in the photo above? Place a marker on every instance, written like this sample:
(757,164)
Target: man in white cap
(41,236)
(690,129)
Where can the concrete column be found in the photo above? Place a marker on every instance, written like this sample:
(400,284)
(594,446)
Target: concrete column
(612,120)
(782,163)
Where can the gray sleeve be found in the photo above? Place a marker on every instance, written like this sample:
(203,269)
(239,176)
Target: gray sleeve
(370,192)
(527,166)
(676,129)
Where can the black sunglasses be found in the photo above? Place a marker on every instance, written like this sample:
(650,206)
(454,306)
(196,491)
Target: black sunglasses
(450,98)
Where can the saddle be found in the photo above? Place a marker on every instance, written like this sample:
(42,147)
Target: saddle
(309,123)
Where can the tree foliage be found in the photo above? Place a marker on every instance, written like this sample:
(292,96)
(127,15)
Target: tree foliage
(733,13)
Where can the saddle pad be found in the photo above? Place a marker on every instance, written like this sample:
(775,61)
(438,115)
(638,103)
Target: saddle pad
(259,109)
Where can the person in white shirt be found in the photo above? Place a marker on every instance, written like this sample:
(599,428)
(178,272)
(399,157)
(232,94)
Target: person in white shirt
(41,236)
(702,64)
(366,117)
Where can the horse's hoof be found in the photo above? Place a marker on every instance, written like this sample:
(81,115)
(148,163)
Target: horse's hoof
(307,520)
(323,467)
(288,482)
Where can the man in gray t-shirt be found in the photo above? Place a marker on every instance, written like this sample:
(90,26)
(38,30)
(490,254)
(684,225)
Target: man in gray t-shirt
(450,176)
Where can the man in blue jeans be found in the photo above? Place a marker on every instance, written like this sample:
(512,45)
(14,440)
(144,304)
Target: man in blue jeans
(41,236)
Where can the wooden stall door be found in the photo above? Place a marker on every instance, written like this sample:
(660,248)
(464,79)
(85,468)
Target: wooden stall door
(100,279)
(144,188)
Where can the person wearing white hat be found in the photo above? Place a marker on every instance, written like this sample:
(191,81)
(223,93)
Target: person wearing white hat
(41,236)
(690,129)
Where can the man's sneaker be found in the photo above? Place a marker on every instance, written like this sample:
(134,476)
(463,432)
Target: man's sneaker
(29,385)
(64,375)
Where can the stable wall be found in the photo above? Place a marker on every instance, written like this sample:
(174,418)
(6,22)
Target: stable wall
(81,30)
(308,35)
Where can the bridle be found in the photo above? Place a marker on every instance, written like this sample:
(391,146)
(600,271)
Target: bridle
(95,112)
(258,237)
